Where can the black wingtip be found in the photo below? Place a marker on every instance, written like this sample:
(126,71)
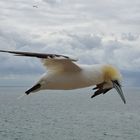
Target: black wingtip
(3,51)
(34,88)
(27,92)
(100,91)
(93,96)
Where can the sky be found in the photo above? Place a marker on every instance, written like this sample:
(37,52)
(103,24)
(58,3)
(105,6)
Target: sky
(94,31)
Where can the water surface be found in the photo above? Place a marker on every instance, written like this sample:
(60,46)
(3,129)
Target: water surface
(69,115)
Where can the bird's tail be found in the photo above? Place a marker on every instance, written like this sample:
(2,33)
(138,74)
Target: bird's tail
(33,89)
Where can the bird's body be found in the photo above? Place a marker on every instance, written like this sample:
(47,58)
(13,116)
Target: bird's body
(64,74)
(89,75)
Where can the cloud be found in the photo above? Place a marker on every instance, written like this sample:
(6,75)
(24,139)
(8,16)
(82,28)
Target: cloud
(130,37)
(53,2)
(90,49)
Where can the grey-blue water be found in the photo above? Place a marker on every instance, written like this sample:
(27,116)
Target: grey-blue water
(69,115)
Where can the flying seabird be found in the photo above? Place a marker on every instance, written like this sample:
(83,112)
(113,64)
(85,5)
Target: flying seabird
(65,74)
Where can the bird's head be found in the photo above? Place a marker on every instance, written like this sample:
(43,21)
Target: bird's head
(112,75)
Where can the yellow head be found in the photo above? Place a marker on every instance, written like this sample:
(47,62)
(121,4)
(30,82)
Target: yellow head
(111,73)
(112,76)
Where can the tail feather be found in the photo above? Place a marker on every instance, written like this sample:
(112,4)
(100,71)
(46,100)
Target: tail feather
(34,88)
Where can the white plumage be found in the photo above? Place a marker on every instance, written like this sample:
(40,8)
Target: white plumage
(64,74)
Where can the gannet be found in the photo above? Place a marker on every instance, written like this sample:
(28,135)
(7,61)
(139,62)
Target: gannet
(63,73)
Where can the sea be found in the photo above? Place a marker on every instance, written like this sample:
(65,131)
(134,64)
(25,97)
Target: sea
(69,115)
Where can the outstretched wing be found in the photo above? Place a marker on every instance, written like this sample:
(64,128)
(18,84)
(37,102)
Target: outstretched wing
(51,61)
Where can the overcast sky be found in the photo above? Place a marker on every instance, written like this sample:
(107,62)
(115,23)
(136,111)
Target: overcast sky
(95,31)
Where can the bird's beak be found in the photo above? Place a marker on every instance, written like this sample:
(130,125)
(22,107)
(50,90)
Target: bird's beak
(117,86)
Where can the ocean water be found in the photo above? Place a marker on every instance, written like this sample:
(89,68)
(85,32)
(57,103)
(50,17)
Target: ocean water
(69,115)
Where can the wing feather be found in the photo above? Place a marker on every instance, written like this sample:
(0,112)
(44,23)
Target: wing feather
(51,61)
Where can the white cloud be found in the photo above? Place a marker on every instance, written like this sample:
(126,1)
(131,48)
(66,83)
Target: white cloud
(53,2)
(130,37)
